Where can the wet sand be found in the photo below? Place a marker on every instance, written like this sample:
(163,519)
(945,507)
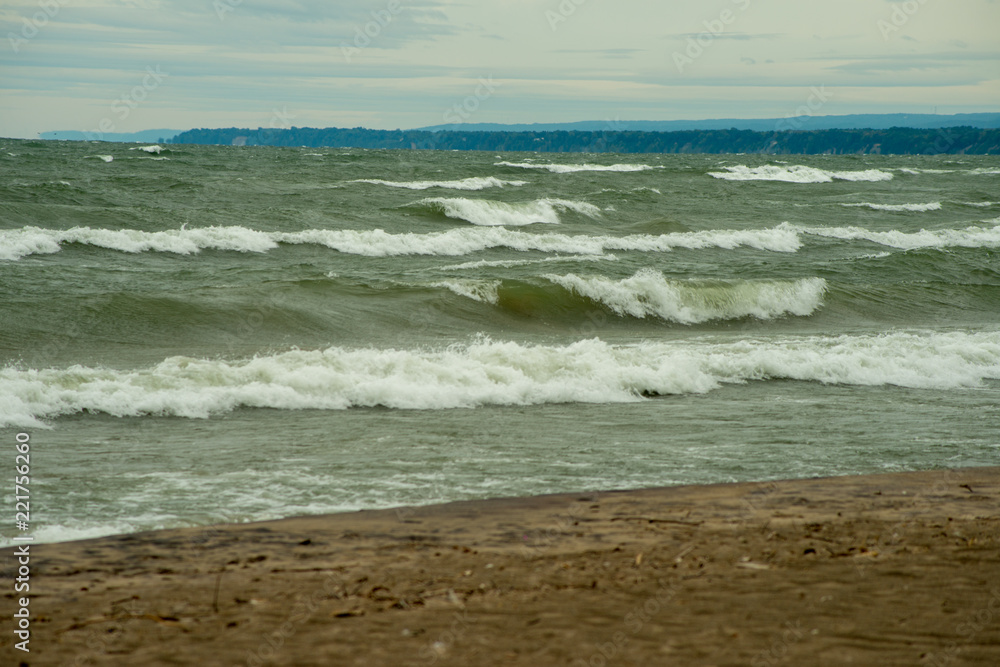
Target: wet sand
(896,569)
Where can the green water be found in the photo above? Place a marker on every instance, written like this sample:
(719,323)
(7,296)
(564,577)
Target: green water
(212,334)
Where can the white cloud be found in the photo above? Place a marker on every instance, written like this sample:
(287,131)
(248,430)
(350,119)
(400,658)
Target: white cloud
(390,63)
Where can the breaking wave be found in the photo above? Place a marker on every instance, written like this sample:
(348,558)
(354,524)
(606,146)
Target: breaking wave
(490,213)
(912,208)
(571,168)
(18,243)
(487,372)
(797,173)
(474,183)
(649,294)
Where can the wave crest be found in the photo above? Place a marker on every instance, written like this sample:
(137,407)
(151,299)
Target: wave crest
(797,173)
(572,168)
(489,213)
(897,208)
(473,183)
(486,372)
(649,294)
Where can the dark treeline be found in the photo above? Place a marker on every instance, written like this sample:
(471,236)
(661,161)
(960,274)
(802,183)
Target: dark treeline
(897,140)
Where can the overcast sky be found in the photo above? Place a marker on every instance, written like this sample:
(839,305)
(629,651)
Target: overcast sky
(128,65)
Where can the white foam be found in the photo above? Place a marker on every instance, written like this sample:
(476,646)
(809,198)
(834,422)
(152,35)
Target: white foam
(913,208)
(106,158)
(916,171)
(511,263)
(970,237)
(487,372)
(483,291)
(18,243)
(148,149)
(984,171)
(474,183)
(649,293)
(486,212)
(455,242)
(571,168)
(797,173)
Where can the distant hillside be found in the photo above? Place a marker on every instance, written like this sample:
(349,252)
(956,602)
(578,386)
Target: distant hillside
(849,122)
(146,136)
(954,140)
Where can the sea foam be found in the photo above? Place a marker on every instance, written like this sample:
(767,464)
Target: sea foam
(969,237)
(649,294)
(379,243)
(486,372)
(486,212)
(473,183)
(571,168)
(911,208)
(797,173)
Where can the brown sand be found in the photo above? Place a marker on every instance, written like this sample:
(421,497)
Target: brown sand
(897,569)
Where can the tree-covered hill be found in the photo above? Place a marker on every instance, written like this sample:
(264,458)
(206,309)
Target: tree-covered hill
(954,140)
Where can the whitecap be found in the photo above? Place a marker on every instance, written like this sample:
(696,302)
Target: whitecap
(473,183)
(572,168)
(487,372)
(649,294)
(494,213)
(797,173)
(912,208)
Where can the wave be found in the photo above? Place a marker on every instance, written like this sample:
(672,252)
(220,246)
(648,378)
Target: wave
(483,291)
(148,149)
(970,237)
(649,293)
(913,208)
(490,213)
(106,158)
(797,173)
(487,372)
(916,171)
(571,168)
(474,183)
(785,237)
(18,243)
(511,263)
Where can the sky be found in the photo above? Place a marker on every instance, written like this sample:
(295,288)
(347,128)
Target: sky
(129,65)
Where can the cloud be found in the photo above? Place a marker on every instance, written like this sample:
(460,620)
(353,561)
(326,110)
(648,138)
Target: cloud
(401,63)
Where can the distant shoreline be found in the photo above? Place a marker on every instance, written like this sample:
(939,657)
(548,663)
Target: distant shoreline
(895,141)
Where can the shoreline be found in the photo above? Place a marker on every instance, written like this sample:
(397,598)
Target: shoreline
(896,568)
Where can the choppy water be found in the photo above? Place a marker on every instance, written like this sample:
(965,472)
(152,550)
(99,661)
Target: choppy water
(205,334)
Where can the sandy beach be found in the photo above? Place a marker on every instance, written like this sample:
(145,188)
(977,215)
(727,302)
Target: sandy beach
(895,569)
